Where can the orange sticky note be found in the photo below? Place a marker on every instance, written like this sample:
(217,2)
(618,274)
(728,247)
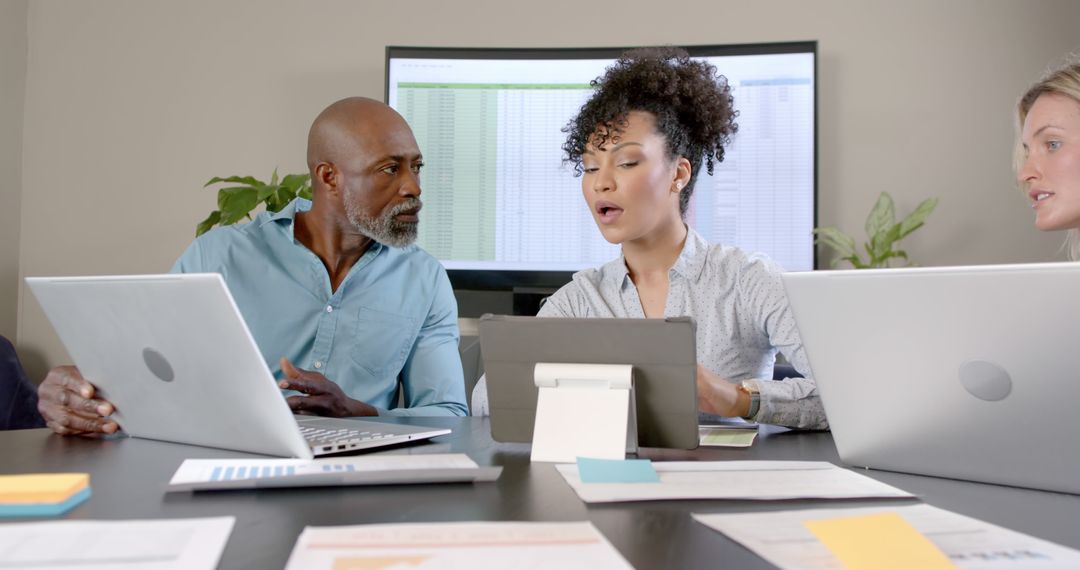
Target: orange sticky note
(41,487)
(883,541)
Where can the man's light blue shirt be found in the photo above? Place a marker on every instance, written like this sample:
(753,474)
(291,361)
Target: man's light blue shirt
(393,318)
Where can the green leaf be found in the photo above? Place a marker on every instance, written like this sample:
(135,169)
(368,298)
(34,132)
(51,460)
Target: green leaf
(237,202)
(224,193)
(205,225)
(236,205)
(854,260)
(883,233)
(881,216)
(836,239)
(284,196)
(884,260)
(882,242)
(915,219)
(295,182)
(274,203)
(266,192)
(249,180)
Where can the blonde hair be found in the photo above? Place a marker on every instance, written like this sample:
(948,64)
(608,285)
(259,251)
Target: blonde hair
(1064,80)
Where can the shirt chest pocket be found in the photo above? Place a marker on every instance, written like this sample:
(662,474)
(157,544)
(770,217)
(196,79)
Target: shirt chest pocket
(381,341)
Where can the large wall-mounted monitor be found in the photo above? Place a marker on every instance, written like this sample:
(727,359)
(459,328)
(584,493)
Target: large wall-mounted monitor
(503,211)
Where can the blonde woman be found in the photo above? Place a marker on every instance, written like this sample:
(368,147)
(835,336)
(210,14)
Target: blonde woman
(1048,153)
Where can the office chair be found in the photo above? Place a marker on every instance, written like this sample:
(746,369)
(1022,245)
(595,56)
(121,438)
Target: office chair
(782,370)
(18,396)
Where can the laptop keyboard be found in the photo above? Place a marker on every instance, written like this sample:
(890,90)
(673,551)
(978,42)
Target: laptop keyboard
(322,438)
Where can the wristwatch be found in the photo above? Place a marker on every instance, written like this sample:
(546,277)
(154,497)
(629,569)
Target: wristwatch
(750,388)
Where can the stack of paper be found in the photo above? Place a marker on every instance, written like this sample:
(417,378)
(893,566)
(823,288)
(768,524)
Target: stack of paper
(42,494)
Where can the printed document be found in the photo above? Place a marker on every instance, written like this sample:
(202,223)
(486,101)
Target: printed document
(755,480)
(476,546)
(781,538)
(165,544)
(217,474)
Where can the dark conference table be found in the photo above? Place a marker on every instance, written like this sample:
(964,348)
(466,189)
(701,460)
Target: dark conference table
(129,475)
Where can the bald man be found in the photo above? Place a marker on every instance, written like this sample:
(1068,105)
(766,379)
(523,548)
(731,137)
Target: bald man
(344,308)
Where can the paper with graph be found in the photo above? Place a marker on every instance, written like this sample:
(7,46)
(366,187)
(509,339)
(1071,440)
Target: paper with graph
(221,474)
(472,545)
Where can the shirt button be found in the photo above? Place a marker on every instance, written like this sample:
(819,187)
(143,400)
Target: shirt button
(329,309)
(318,364)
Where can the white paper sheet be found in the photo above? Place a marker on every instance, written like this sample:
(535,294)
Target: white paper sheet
(756,480)
(562,414)
(208,474)
(472,546)
(781,538)
(165,544)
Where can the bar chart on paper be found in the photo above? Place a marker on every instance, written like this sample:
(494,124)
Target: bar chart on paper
(478,546)
(218,474)
(229,473)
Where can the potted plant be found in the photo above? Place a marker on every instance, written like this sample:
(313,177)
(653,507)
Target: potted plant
(236,202)
(883,233)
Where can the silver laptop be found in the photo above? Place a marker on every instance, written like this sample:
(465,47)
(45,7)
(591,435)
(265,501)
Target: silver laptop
(173,354)
(962,372)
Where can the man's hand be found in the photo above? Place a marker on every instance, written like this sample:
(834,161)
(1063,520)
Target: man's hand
(66,401)
(322,397)
(718,396)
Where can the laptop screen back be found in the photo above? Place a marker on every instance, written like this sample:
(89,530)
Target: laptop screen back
(173,354)
(963,372)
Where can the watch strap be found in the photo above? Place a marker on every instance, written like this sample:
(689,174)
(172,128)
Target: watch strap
(751,390)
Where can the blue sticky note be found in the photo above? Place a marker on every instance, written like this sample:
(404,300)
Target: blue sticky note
(616,471)
(43,509)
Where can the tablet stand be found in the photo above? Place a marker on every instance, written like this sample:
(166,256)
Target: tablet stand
(584,410)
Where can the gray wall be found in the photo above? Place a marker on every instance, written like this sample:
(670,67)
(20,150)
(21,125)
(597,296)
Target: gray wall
(12,92)
(132,104)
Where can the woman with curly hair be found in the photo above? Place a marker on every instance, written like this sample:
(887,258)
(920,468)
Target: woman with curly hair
(1048,152)
(655,120)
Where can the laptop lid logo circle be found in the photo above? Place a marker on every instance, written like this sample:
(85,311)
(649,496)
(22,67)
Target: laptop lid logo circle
(157,364)
(985,380)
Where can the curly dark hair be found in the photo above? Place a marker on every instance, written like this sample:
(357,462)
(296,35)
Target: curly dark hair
(693,106)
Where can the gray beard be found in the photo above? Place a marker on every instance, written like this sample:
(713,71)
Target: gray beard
(384,228)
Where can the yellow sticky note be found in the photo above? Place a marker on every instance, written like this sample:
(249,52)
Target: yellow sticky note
(878,542)
(41,487)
